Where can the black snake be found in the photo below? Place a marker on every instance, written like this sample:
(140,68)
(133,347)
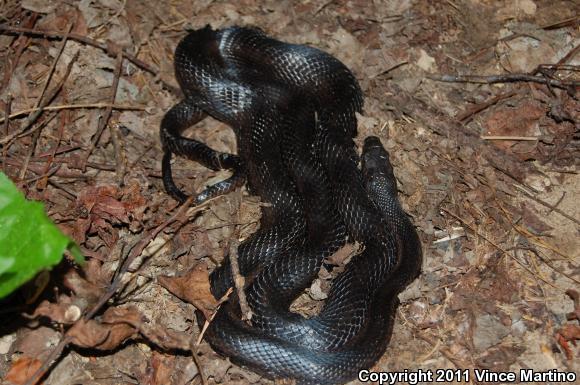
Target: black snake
(292,108)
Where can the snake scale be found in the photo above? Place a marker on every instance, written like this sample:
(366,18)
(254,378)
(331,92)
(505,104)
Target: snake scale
(292,108)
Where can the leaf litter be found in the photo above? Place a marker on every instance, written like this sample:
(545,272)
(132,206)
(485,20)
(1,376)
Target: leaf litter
(488,172)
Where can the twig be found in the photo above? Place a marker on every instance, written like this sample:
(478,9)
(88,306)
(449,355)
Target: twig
(46,364)
(134,253)
(120,157)
(110,49)
(54,63)
(572,21)
(558,202)
(23,44)
(106,296)
(41,97)
(195,344)
(7,108)
(466,116)
(223,299)
(497,247)
(32,117)
(441,124)
(446,352)
(506,78)
(108,111)
(239,280)
(198,364)
(546,204)
(499,137)
(71,106)
(64,121)
(31,149)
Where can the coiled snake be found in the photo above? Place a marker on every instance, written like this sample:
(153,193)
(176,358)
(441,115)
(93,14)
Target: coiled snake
(292,108)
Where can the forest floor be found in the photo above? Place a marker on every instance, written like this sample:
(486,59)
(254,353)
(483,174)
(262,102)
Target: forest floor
(488,171)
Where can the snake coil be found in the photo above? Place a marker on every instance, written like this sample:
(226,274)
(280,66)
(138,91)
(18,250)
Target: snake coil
(292,108)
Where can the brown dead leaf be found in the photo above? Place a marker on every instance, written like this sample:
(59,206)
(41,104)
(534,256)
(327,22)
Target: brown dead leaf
(104,202)
(342,255)
(22,369)
(565,335)
(163,367)
(157,334)
(166,338)
(90,288)
(129,315)
(39,6)
(36,342)
(521,121)
(192,287)
(63,312)
(93,334)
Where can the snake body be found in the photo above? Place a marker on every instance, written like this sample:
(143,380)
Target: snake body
(292,108)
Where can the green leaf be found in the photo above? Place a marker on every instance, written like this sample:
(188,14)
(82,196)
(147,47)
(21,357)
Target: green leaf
(29,241)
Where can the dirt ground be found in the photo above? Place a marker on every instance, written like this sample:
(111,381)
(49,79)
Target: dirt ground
(488,171)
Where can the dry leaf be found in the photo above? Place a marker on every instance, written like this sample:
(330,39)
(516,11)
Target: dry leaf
(157,334)
(92,334)
(342,255)
(192,287)
(22,369)
(63,312)
(163,367)
(39,6)
(36,342)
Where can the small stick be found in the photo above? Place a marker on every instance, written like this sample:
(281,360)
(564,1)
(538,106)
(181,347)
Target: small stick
(557,203)
(34,116)
(506,78)
(71,106)
(46,364)
(467,115)
(195,344)
(41,184)
(135,252)
(54,63)
(239,279)
(120,157)
(32,147)
(497,247)
(40,99)
(546,204)
(207,322)
(111,50)
(499,137)
(108,111)
(22,44)
(7,108)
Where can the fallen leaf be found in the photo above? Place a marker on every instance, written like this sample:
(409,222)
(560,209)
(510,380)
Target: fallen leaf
(160,335)
(63,312)
(342,255)
(39,6)
(192,287)
(22,369)
(163,367)
(93,334)
(36,342)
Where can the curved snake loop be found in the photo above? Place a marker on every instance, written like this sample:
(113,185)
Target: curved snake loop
(292,108)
